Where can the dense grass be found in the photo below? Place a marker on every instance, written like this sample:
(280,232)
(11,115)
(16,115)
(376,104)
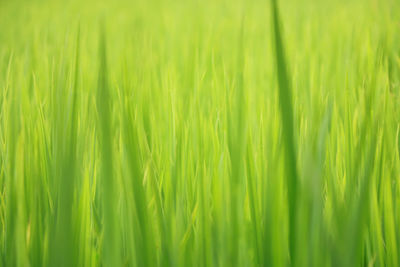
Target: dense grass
(199,133)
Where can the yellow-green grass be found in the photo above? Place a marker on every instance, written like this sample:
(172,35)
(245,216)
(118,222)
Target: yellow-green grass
(199,133)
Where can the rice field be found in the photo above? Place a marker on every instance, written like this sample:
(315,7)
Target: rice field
(199,133)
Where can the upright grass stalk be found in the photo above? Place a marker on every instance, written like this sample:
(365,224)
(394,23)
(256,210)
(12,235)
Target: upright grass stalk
(63,250)
(143,233)
(11,172)
(285,103)
(111,249)
(236,122)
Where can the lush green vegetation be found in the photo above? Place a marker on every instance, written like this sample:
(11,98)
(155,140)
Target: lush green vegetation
(199,133)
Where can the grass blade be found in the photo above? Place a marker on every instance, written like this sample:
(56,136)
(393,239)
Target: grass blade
(285,101)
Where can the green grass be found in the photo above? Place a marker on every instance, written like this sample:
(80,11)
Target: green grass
(199,133)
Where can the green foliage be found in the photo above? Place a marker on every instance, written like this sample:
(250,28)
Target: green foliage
(188,133)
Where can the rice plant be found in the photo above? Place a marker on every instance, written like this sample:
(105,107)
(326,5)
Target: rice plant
(199,133)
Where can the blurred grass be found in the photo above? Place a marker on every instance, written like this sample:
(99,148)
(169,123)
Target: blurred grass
(285,101)
(187,133)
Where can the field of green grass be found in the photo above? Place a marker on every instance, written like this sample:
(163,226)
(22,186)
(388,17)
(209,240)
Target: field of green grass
(199,133)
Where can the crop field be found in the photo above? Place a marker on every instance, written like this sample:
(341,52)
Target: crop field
(199,133)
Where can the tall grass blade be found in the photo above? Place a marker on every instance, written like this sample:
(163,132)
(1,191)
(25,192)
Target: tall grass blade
(285,103)
(109,185)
